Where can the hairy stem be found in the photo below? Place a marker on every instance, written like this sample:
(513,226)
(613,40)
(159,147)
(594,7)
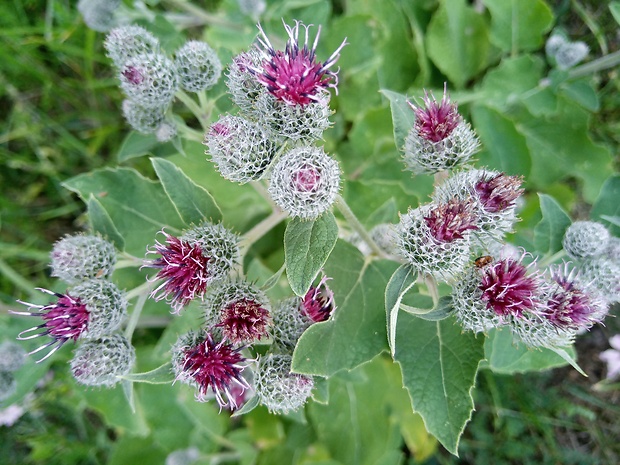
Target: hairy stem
(261,229)
(135,314)
(198,112)
(358,227)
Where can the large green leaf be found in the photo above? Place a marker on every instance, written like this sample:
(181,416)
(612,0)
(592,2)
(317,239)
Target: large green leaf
(503,356)
(519,25)
(138,207)
(457,41)
(193,202)
(307,245)
(403,117)
(607,203)
(101,222)
(549,232)
(400,283)
(356,332)
(439,363)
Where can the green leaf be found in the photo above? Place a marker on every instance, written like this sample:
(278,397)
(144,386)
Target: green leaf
(307,245)
(137,145)
(614,7)
(457,41)
(519,25)
(356,332)
(582,93)
(607,203)
(249,405)
(549,232)
(403,117)
(400,283)
(101,222)
(386,213)
(160,375)
(193,202)
(439,363)
(138,207)
(504,356)
(441,311)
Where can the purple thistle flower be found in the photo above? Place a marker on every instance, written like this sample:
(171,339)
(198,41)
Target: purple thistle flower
(244,320)
(450,221)
(569,305)
(307,179)
(183,268)
(435,121)
(66,319)
(507,289)
(318,304)
(213,365)
(294,75)
(499,193)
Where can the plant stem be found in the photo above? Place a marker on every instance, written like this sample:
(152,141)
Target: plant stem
(358,227)
(261,229)
(431,285)
(135,314)
(604,62)
(138,291)
(551,259)
(207,18)
(18,280)
(192,106)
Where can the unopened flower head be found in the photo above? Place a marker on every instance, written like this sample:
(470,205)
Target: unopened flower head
(189,263)
(242,309)
(88,310)
(493,198)
(612,251)
(434,239)
(601,275)
(241,150)
(305,182)
(125,42)
(565,53)
(12,356)
(252,8)
(296,123)
(289,323)
(318,304)
(211,365)
(150,80)
(198,66)
(242,85)
(81,257)
(277,388)
(99,14)
(294,75)
(165,131)
(100,362)
(439,138)
(143,120)
(585,239)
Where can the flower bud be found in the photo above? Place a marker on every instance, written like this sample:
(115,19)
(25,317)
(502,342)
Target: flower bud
(289,323)
(150,80)
(241,150)
(143,120)
(165,132)
(278,389)
(81,257)
(241,309)
(198,66)
(242,85)
(565,53)
(305,182)
(99,14)
(252,8)
(12,356)
(585,239)
(601,275)
(99,362)
(125,42)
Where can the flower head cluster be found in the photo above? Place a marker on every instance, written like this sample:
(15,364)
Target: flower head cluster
(89,310)
(277,388)
(81,257)
(294,76)
(149,80)
(305,182)
(189,263)
(493,198)
(100,362)
(239,309)
(211,365)
(439,138)
(126,42)
(435,238)
(198,66)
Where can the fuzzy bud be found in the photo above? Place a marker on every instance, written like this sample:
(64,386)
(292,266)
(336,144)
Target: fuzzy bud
(565,53)
(150,80)
(165,132)
(601,275)
(585,239)
(100,362)
(81,257)
(198,66)
(289,323)
(99,14)
(125,42)
(305,182)
(278,389)
(12,356)
(143,120)
(241,150)
(242,85)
